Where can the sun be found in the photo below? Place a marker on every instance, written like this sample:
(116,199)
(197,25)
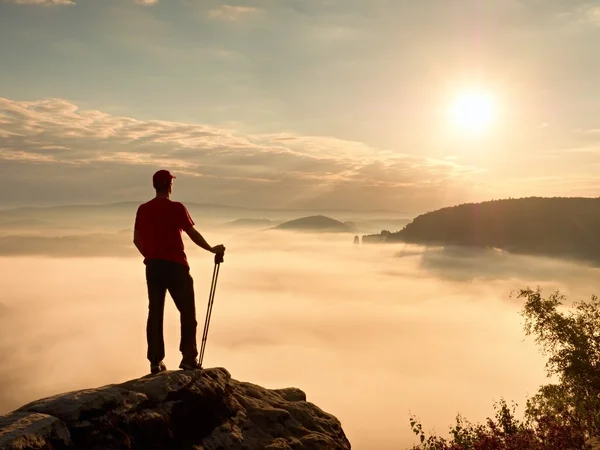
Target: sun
(473,111)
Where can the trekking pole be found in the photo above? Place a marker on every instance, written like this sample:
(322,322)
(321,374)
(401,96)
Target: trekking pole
(211,298)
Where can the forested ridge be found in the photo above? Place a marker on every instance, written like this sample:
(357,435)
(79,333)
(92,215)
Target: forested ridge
(558,226)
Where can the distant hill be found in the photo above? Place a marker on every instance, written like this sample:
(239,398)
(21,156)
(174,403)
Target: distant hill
(558,226)
(113,216)
(316,223)
(243,223)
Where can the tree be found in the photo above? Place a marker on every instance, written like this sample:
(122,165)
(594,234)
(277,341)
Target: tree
(560,416)
(571,340)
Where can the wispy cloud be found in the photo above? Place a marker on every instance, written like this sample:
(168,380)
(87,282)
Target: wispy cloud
(592,14)
(65,2)
(58,138)
(41,2)
(231,12)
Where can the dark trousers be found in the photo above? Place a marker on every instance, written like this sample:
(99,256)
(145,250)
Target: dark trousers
(163,276)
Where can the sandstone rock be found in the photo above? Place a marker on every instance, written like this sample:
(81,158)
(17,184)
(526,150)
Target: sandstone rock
(594,443)
(23,430)
(291,394)
(160,389)
(86,404)
(199,410)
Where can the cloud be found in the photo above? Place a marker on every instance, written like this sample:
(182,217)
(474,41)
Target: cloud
(231,13)
(592,15)
(309,312)
(65,2)
(53,139)
(97,245)
(41,2)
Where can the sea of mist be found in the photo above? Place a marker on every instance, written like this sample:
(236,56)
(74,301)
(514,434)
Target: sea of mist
(372,333)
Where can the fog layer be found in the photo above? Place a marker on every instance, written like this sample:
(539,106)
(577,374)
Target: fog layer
(370,333)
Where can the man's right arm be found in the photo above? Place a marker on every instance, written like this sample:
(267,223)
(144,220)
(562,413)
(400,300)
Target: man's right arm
(199,240)
(187,224)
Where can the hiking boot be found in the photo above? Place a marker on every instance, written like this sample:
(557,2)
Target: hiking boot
(191,364)
(159,367)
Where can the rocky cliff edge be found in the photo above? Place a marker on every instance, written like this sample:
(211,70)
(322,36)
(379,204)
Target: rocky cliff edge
(198,410)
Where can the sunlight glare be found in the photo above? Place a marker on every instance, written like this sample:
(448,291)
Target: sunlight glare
(472,111)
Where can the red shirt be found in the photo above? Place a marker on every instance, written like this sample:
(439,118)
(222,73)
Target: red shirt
(159,223)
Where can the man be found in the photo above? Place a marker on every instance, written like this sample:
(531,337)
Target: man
(157,235)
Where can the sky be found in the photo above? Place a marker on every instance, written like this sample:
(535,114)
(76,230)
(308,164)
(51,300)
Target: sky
(297,104)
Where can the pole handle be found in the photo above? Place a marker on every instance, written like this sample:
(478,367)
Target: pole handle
(219,258)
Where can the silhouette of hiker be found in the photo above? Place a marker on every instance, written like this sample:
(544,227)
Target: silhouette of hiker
(157,236)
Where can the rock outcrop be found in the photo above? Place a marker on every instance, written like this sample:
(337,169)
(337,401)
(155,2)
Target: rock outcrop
(593,443)
(196,410)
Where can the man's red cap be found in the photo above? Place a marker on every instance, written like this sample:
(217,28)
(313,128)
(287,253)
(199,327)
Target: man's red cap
(162,177)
